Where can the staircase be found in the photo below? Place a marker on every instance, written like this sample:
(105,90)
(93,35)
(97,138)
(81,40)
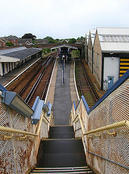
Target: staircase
(61,153)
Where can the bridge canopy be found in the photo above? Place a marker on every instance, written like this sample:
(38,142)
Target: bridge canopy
(64,46)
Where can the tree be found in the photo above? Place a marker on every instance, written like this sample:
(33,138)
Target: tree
(46,50)
(9,44)
(29,36)
(81,39)
(75,53)
(50,39)
(72,41)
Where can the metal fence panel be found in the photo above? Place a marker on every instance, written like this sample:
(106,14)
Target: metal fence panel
(108,153)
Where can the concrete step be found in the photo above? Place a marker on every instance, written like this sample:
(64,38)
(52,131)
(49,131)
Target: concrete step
(61,153)
(84,169)
(60,132)
(62,146)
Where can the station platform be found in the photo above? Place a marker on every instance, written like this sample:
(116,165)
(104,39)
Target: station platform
(62,98)
(14,73)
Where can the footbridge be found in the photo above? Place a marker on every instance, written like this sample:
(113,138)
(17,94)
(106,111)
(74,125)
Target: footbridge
(62,134)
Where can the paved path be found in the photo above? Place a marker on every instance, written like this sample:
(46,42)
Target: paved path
(62,98)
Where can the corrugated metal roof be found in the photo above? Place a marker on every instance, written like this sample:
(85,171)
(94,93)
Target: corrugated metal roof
(11,50)
(22,54)
(114,39)
(114,47)
(112,31)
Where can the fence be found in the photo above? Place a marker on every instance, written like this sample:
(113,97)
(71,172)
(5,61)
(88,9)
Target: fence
(19,140)
(107,149)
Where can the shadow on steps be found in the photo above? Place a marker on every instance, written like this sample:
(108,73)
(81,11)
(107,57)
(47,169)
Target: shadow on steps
(61,149)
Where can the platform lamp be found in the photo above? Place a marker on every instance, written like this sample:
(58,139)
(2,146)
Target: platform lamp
(14,101)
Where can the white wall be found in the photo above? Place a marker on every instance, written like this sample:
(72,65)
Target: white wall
(5,68)
(111,68)
(1,70)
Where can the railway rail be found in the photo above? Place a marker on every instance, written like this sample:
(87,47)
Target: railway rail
(84,84)
(40,86)
(90,84)
(34,82)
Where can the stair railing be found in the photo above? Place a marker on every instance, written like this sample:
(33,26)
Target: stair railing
(77,118)
(104,129)
(112,130)
(20,140)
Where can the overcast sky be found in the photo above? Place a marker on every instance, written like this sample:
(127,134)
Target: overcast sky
(61,18)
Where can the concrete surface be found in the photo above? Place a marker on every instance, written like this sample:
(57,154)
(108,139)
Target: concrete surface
(62,98)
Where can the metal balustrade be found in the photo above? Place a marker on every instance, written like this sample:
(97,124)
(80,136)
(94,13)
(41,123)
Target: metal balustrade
(19,140)
(104,129)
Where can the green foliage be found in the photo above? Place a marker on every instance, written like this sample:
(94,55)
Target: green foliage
(46,50)
(75,54)
(50,39)
(57,40)
(29,36)
(33,41)
(72,41)
(9,44)
(81,39)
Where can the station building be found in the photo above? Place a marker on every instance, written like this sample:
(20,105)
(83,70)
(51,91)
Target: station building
(64,50)
(90,44)
(2,43)
(108,56)
(15,57)
(86,48)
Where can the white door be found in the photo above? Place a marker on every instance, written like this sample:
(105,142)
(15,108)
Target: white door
(111,69)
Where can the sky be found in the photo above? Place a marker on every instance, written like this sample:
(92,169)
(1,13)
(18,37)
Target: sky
(61,18)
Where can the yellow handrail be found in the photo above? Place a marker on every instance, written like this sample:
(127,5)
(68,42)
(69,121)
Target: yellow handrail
(25,133)
(40,123)
(12,130)
(75,118)
(104,128)
(127,123)
(111,126)
(46,119)
(39,126)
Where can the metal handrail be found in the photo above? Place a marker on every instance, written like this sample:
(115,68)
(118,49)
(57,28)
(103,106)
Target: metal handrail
(17,131)
(109,160)
(104,128)
(75,118)
(46,119)
(12,130)
(111,126)
(39,126)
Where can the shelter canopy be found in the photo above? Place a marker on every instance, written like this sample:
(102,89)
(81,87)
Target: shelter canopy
(64,45)
(22,54)
(8,59)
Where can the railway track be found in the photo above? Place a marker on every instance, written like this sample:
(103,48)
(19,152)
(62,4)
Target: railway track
(84,84)
(40,86)
(25,77)
(90,84)
(35,81)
